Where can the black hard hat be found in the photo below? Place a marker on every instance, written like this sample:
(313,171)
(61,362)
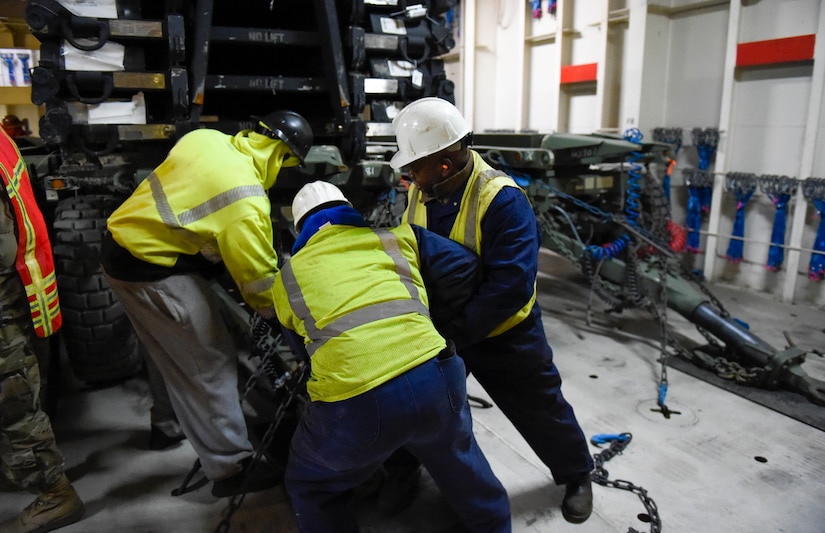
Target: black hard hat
(287,126)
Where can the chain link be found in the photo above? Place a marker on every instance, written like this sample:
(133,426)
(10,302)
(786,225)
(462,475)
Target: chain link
(721,366)
(600,476)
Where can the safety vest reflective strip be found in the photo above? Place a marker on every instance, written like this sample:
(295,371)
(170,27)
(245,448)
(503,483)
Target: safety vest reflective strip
(34,260)
(364,315)
(177,223)
(470,214)
(467,217)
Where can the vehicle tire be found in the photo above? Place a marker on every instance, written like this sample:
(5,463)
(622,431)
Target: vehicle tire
(100,342)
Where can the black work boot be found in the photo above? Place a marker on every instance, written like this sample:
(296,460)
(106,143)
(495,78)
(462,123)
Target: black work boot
(158,440)
(57,506)
(578,500)
(264,475)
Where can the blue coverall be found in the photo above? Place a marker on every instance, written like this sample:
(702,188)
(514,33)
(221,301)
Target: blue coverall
(338,445)
(515,368)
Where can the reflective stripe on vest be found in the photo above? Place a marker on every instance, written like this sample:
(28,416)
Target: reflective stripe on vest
(34,261)
(470,213)
(177,222)
(202,210)
(359,317)
(474,204)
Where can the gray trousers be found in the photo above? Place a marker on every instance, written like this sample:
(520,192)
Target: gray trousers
(178,320)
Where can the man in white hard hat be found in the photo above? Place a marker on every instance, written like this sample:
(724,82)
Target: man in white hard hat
(202,212)
(382,377)
(499,333)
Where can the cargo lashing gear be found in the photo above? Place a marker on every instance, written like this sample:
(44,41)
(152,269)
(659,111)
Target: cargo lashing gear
(743,185)
(697,182)
(700,183)
(745,358)
(814,191)
(618,443)
(779,189)
(440,33)
(273,373)
(638,299)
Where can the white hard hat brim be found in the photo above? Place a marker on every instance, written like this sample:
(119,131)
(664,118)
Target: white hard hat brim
(400,160)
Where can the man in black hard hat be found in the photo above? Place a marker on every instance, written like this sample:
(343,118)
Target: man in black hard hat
(204,210)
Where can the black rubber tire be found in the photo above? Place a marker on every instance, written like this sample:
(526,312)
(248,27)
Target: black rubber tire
(101,344)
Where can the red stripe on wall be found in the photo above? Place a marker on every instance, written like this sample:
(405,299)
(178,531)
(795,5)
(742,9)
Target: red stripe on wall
(579,73)
(773,51)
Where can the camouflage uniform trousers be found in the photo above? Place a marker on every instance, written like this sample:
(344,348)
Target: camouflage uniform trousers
(29,456)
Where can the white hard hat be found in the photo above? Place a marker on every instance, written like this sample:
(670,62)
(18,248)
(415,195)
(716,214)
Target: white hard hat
(314,195)
(424,127)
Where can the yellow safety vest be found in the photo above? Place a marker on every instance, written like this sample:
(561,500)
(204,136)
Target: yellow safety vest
(209,197)
(483,185)
(357,298)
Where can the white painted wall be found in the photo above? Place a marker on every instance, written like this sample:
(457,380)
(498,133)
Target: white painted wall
(666,67)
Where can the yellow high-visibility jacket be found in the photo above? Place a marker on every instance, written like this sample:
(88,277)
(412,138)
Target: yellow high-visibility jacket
(209,197)
(357,297)
(483,185)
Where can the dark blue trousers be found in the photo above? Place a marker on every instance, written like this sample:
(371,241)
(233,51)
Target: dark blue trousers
(339,445)
(516,369)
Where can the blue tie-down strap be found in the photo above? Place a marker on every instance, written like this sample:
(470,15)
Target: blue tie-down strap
(536,8)
(605,438)
(816,268)
(694,219)
(737,245)
(776,254)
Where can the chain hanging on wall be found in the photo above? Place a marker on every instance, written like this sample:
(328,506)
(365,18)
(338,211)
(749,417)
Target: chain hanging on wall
(743,186)
(814,191)
(779,189)
(706,140)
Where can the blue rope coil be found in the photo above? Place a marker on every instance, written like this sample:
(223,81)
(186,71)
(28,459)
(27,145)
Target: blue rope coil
(632,202)
(609,250)
(634,186)
(634,189)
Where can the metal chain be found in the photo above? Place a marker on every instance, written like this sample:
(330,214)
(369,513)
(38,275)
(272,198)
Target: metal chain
(659,311)
(295,381)
(721,366)
(600,475)
(813,188)
(292,382)
(651,238)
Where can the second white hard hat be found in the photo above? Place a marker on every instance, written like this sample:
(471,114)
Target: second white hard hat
(424,127)
(312,196)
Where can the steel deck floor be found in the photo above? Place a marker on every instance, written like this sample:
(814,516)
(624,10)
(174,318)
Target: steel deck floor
(724,464)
